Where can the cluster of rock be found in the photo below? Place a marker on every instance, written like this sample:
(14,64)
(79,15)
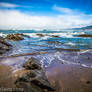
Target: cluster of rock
(4,46)
(32,78)
(40,35)
(15,37)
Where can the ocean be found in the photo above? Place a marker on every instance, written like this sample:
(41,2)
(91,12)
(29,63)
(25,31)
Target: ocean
(64,46)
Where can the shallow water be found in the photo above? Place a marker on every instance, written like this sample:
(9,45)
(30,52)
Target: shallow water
(69,78)
(66,58)
(63,46)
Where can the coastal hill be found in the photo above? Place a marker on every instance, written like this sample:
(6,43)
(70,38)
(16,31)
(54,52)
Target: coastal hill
(84,28)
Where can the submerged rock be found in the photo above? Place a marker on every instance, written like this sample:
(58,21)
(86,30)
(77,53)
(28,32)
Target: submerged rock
(41,35)
(4,46)
(54,42)
(14,37)
(56,36)
(84,35)
(33,78)
(72,50)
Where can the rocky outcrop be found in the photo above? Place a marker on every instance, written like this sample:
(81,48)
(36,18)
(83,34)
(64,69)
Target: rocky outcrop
(40,35)
(56,36)
(85,35)
(15,37)
(32,78)
(4,46)
(32,64)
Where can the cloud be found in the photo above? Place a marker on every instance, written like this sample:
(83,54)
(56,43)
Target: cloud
(62,10)
(14,19)
(8,5)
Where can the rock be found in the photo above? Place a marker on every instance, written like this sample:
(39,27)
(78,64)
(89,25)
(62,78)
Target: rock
(28,87)
(72,50)
(41,35)
(88,82)
(33,79)
(84,35)
(2,40)
(36,79)
(42,83)
(54,42)
(23,35)
(15,37)
(25,75)
(32,64)
(56,36)
(4,46)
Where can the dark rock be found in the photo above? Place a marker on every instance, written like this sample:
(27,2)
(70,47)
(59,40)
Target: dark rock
(26,76)
(84,35)
(15,37)
(2,40)
(54,42)
(4,46)
(42,83)
(41,35)
(88,82)
(72,50)
(33,79)
(32,64)
(56,36)
(28,87)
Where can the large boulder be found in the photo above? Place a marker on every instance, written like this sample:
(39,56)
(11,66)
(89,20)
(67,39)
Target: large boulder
(32,64)
(4,46)
(33,79)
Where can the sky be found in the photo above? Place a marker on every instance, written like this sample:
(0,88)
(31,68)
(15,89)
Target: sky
(45,14)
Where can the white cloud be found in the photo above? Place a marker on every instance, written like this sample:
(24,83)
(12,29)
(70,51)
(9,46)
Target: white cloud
(12,19)
(8,5)
(62,10)
(67,11)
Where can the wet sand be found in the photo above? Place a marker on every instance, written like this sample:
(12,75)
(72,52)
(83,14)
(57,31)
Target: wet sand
(70,78)
(64,77)
(6,78)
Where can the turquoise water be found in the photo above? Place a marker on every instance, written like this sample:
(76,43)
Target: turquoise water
(67,39)
(55,42)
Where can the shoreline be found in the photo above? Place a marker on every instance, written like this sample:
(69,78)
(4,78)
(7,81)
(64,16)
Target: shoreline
(70,78)
(64,77)
(67,72)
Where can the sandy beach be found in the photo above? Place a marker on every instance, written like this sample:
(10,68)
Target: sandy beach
(63,77)
(70,78)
